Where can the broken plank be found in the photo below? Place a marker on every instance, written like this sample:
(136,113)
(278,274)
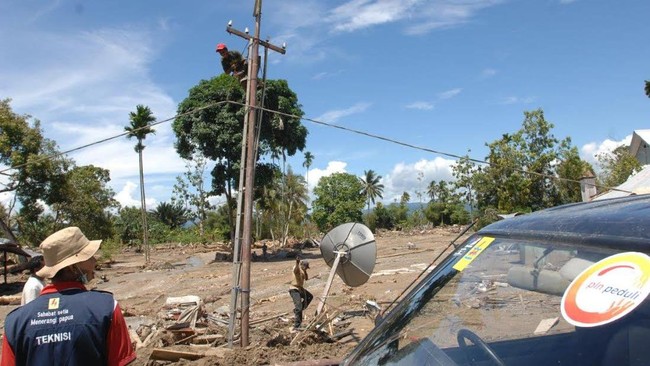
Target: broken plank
(163,354)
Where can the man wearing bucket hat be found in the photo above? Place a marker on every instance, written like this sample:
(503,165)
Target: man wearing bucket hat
(67,324)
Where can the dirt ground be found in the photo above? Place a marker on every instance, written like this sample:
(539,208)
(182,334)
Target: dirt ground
(182,270)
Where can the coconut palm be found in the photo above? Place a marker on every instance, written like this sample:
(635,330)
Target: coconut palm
(294,201)
(309,158)
(171,214)
(139,128)
(371,186)
(432,190)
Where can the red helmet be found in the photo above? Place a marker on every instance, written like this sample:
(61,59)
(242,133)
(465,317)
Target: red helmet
(221,47)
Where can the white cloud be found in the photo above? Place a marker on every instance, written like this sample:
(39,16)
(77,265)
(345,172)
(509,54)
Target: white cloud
(567,1)
(335,115)
(424,106)
(590,151)
(358,14)
(416,176)
(517,100)
(83,85)
(449,93)
(422,15)
(314,175)
(129,196)
(325,74)
(304,24)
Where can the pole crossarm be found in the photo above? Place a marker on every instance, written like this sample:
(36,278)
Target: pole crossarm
(266,44)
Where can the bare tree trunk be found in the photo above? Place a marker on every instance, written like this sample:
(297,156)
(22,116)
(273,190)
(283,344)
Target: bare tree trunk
(286,225)
(143,204)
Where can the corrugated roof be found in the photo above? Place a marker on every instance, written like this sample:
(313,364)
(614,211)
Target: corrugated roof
(639,183)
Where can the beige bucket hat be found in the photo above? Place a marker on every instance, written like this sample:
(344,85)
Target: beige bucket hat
(65,247)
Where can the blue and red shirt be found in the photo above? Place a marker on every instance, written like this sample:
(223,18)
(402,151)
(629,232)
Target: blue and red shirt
(67,325)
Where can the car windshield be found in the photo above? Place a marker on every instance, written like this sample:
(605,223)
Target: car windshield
(499,301)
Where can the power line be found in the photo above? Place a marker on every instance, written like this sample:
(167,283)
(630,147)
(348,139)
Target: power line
(327,124)
(406,144)
(52,156)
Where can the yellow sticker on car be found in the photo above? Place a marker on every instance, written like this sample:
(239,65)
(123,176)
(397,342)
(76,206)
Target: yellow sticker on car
(472,253)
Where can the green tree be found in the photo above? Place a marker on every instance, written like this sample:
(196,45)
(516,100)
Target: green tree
(522,168)
(128,225)
(294,202)
(371,186)
(190,191)
(32,169)
(171,214)
(617,166)
(309,159)
(570,170)
(647,88)
(381,217)
(215,130)
(432,190)
(338,200)
(139,127)
(464,171)
(217,223)
(87,202)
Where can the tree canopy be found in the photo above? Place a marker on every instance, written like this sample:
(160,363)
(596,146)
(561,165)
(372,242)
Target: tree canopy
(523,167)
(371,188)
(617,166)
(209,124)
(338,200)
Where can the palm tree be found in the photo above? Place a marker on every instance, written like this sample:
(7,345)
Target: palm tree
(309,158)
(173,215)
(140,128)
(371,186)
(294,200)
(432,190)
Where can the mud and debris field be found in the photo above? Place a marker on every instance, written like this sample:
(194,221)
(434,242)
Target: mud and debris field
(178,306)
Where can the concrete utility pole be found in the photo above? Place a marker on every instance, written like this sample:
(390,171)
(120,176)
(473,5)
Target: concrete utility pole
(249,147)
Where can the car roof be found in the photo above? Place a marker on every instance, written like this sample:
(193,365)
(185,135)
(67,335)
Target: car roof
(615,223)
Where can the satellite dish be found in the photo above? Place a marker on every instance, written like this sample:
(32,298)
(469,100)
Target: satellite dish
(350,251)
(356,243)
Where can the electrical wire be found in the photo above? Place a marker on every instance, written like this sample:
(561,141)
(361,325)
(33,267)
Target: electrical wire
(327,124)
(409,145)
(52,156)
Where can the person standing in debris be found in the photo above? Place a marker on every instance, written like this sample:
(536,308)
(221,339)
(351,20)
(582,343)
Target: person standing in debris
(232,62)
(35,283)
(67,324)
(300,296)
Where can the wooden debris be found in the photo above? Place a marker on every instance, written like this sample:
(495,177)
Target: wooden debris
(166,354)
(545,325)
(258,321)
(135,338)
(10,299)
(207,339)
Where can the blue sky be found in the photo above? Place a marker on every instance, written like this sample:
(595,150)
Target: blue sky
(448,75)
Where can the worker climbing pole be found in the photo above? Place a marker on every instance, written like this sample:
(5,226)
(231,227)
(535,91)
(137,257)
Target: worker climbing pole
(232,62)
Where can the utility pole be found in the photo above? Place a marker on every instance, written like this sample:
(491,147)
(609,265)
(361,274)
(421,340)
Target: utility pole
(242,256)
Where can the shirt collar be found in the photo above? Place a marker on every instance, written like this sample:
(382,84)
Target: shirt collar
(62,286)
